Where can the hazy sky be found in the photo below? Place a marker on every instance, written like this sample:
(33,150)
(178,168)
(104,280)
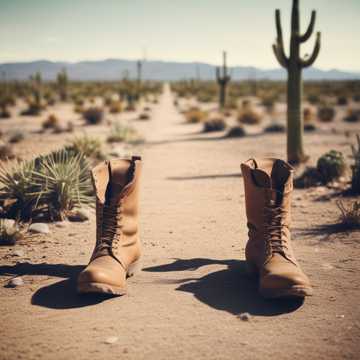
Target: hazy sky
(183,30)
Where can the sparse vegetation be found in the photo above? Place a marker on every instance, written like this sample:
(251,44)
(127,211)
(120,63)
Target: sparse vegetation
(326,113)
(350,216)
(195,115)
(88,146)
(215,123)
(93,115)
(331,166)
(121,133)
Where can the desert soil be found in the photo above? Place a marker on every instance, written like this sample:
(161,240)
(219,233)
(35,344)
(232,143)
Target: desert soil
(186,302)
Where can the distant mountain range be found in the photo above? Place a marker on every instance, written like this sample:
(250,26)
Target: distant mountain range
(113,69)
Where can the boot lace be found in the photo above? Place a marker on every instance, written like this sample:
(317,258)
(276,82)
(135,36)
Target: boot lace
(110,229)
(275,229)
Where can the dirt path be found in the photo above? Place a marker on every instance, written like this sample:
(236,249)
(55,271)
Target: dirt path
(186,301)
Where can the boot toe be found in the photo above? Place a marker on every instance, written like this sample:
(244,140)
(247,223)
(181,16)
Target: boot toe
(286,281)
(103,275)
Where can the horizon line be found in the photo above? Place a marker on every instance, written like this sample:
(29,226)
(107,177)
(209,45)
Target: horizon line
(72,62)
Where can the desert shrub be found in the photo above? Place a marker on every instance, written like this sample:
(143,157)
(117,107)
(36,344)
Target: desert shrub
(33,109)
(195,115)
(269,103)
(216,123)
(248,116)
(331,166)
(236,132)
(86,145)
(4,113)
(115,107)
(352,116)
(6,151)
(93,115)
(356,97)
(309,178)
(308,127)
(51,122)
(342,100)
(308,115)
(9,232)
(16,136)
(121,133)
(275,127)
(79,109)
(309,124)
(313,99)
(355,168)
(326,113)
(52,184)
(144,116)
(350,216)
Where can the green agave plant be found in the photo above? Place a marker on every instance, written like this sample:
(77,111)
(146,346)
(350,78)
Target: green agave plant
(18,189)
(63,181)
(53,184)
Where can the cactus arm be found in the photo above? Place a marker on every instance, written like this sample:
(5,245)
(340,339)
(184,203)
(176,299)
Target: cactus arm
(280,55)
(280,39)
(310,28)
(308,62)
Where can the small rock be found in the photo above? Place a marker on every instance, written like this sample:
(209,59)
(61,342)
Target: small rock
(18,252)
(111,340)
(79,215)
(9,223)
(245,316)
(40,228)
(18,281)
(61,224)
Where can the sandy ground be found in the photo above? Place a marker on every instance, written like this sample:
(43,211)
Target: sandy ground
(186,302)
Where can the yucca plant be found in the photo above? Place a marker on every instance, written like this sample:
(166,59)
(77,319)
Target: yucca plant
(18,189)
(86,145)
(63,182)
(53,184)
(121,133)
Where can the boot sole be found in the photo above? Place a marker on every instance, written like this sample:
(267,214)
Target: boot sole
(297,291)
(102,288)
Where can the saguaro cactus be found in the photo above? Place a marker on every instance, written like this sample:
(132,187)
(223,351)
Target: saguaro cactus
(294,65)
(62,84)
(138,78)
(223,79)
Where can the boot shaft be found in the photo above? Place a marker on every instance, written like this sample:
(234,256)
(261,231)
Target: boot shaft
(268,187)
(268,182)
(116,185)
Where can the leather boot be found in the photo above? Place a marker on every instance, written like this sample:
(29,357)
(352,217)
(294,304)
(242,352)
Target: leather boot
(117,250)
(268,187)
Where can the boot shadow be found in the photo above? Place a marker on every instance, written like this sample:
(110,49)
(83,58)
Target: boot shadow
(58,295)
(232,289)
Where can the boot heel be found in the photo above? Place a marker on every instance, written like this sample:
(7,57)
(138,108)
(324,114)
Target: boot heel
(251,268)
(134,268)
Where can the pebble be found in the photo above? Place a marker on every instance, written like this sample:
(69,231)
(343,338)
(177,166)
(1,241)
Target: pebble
(111,340)
(245,316)
(18,281)
(40,228)
(61,224)
(80,215)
